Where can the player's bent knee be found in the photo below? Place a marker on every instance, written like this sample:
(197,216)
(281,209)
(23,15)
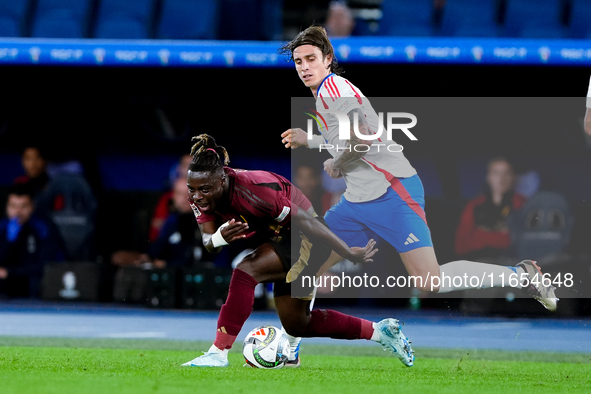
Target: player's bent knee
(254,265)
(247,266)
(293,316)
(263,265)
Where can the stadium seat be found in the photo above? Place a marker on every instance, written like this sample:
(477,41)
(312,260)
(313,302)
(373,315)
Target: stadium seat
(363,27)
(251,19)
(189,19)
(124,19)
(9,27)
(204,287)
(470,18)
(12,17)
(61,18)
(272,19)
(542,227)
(74,215)
(406,18)
(564,174)
(161,288)
(580,26)
(534,19)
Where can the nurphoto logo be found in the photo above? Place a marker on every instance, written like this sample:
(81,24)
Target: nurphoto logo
(344,124)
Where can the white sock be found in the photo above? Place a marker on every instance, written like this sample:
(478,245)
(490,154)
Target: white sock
(376,335)
(294,343)
(465,275)
(222,352)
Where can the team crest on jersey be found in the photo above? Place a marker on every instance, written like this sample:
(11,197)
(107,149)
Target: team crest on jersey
(343,106)
(196,210)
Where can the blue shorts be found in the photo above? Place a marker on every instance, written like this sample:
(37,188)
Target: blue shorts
(398,217)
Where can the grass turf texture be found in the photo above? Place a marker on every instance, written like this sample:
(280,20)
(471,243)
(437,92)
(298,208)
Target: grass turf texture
(42,365)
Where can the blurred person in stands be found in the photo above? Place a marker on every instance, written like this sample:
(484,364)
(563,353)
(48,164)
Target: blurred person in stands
(27,242)
(322,190)
(165,204)
(588,112)
(482,231)
(438,7)
(178,245)
(339,20)
(35,165)
(308,180)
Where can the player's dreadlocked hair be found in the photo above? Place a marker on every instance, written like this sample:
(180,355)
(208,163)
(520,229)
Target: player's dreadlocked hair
(207,155)
(315,36)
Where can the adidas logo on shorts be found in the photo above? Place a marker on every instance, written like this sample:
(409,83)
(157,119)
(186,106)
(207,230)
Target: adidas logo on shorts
(411,239)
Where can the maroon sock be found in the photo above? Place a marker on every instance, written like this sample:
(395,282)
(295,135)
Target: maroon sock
(333,324)
(236,309)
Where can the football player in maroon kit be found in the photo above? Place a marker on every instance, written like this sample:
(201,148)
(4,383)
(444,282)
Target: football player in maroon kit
(232,204)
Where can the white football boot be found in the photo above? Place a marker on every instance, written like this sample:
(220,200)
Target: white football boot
(293,361)
(392,339)
(538,290)
(213,358)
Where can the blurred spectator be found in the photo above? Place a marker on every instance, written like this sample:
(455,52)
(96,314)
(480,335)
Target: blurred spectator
(69,202)
(179,242)
(438,7)
(165,203)
(339,20)
(35,165)
(308,180)
(483,230)
(177,245)
(27,242)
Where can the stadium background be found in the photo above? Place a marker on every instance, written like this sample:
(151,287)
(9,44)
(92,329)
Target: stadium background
(105,114)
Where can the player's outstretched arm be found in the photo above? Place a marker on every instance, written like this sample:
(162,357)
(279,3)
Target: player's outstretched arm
(214,238)
(311,227)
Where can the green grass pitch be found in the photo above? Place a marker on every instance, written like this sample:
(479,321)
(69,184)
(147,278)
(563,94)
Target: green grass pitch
(43,365)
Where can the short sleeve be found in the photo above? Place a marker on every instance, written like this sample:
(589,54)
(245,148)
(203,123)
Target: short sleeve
(338,94)
(283,210)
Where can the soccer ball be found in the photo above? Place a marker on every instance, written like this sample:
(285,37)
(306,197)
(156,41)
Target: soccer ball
(266,347)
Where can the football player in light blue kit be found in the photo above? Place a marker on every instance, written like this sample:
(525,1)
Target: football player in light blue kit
(384,196)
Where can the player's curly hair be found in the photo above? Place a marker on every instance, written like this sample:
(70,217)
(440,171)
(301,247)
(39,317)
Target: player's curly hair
(316,36)
(207,155)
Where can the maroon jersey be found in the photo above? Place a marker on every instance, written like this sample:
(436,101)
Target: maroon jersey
(262,199)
